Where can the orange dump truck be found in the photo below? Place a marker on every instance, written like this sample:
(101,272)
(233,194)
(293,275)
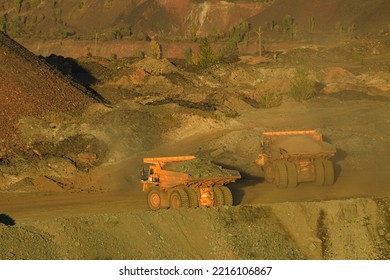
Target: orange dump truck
(291,157)
(185,181)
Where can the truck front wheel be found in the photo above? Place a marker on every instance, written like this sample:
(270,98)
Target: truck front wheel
(154,199)
(328,172)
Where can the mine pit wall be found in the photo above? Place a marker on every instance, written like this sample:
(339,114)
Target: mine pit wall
(345,229)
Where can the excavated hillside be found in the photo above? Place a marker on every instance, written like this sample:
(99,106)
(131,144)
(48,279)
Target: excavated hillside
(186,19)
(77,193)
(326,16)
(30,87)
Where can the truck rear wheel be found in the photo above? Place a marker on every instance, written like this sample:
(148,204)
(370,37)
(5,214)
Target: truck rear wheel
(328,172)
(292,180)
(154,199)
(227,195)
(281,175)
(319,171)
(179,198)
(218,196)
(192,198)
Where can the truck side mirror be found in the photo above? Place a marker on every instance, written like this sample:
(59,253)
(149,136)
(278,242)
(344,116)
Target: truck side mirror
(143,174)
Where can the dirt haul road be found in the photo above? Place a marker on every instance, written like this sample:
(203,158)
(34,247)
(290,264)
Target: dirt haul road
(361,173)
(104,214)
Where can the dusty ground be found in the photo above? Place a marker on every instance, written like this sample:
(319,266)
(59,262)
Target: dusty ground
(78,196)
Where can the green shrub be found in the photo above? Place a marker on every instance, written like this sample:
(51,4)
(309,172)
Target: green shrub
(188,56)
(107,4)
(80,4)
(139,54)
(35,3)
(270,100)
(18,5)
(3,23)
(155,50)
(113,56)
(207,57)
(302,87)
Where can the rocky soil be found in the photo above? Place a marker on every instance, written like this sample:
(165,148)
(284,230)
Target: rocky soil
(73,191)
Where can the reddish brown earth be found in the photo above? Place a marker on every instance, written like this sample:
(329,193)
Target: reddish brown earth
(29,87)
(76,194)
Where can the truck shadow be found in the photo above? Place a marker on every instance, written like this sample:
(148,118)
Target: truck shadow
(6,220)
(237,187)
(339,156)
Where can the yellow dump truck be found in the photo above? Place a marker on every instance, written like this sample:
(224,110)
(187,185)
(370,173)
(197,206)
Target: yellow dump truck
(291,157)
(186,181)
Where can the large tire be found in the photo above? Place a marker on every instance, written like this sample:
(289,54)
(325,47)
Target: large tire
(178,198)
(192,197)
(292,175)
(227,195)
(218,196)
(281,174)
(269,173)
(319,172)
(328,172)
(154,199)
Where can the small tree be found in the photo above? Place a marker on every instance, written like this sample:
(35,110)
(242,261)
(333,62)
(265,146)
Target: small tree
(290,27)
(339,27)
(188,56)
(155,49)
(3,23)
(231,49)
(207,57)
(312,23)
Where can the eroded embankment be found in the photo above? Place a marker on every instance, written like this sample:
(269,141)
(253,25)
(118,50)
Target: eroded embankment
(348,229)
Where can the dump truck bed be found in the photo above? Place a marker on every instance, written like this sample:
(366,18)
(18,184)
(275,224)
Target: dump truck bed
(296,143)
(200,169)
(191,171)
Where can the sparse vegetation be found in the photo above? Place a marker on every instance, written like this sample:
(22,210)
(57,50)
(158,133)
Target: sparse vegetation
(107,4)
(290,27)
(302,87)
(339,27)
(35,3)
(312,23)
(89,54)
(231,49)
(3,23)
(80,4)
(188,56)
(18,5)
(139,54)
(207,56)
(113,56)
(270,100)
(155,50)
